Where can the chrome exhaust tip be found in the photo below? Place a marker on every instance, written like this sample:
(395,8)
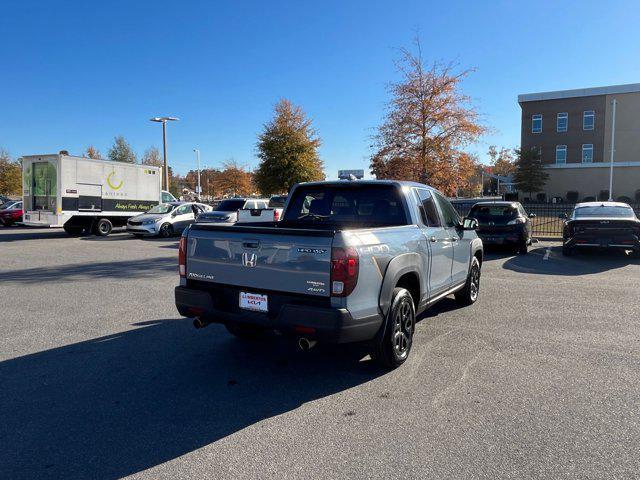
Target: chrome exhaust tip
(305,344)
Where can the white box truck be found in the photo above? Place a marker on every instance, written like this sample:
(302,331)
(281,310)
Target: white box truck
(85,195)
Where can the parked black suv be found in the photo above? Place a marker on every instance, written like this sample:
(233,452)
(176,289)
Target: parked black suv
(503,223)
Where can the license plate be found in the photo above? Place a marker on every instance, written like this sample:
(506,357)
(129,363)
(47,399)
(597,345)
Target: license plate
(254,301)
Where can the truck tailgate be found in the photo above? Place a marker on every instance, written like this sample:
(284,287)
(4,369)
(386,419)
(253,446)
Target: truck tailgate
(261,258)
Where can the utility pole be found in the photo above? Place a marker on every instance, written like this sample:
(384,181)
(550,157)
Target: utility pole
(199,190)
(613,147)
(164,121)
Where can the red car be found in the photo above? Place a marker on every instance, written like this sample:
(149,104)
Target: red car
(10,213)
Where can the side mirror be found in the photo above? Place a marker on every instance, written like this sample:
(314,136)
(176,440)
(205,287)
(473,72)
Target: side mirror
(174,213)
(469,223)
(563,216)
(532,215)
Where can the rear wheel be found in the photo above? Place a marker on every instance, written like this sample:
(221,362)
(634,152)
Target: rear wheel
(469,293)
(393,343)
(245,330)
(103,227)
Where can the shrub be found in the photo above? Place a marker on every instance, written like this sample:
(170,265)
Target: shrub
(572,196)
(624,199)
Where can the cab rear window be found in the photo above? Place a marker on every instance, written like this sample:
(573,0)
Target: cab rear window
(357,205)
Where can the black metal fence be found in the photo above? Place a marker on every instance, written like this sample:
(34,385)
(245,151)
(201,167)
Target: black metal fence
(546,223)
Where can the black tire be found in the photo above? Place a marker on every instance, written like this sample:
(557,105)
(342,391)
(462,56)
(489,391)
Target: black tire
(566,251)
(245,331)
(103,227)
(392,344)
(469,293)
(523,247)
(166,230)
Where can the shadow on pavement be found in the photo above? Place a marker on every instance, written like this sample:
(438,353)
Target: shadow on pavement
(12,234)
(120,404)
(147,267)
(583,263)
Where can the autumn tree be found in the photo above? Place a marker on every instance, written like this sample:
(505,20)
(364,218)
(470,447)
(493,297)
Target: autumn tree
(121,151)
(151,157)
(530,175)
(288,151)
(10,174)
(502,161)
(233,180)
(92,152)
(469,179)
(429,120)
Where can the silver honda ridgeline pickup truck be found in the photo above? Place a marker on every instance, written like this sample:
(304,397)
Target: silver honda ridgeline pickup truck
(350,261)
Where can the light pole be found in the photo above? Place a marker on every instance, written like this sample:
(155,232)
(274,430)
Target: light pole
(164,121)
(199,191)
(613,147)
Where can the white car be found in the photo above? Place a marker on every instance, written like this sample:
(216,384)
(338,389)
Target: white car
(166,219)
(277,202)
(227,210)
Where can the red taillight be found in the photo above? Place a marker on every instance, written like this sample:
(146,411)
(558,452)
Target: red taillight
(344,271)
(276,215)
(182,257)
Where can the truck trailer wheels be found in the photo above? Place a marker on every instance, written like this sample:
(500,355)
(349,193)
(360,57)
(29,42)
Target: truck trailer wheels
(103,227)
(392,345)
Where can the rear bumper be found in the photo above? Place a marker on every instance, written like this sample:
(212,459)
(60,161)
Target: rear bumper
(332,325)
(501,238)
(630,242)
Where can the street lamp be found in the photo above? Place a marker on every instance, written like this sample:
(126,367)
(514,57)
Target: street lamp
(198,162)
(164,121)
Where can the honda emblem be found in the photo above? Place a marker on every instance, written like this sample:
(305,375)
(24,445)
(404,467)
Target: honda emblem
(249,259)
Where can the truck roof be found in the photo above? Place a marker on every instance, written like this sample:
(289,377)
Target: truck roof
(402,183)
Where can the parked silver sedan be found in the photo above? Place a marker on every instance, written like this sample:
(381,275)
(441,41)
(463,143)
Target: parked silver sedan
(166,219)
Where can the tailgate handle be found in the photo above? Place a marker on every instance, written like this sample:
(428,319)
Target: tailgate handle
(250,244)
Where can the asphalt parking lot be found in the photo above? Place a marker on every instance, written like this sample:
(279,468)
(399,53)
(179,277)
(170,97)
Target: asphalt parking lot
(102,379)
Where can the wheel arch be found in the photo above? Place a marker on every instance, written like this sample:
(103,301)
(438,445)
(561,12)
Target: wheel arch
(402,271)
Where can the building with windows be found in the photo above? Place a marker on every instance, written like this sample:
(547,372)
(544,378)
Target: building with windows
(572,129)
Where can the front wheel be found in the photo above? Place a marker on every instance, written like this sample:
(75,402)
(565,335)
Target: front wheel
(469,293)
(393,343)
(166,230)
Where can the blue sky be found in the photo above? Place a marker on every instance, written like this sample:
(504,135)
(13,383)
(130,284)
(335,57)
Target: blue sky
(78,73)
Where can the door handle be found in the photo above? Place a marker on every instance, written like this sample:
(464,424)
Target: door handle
(454,239)
(433,239)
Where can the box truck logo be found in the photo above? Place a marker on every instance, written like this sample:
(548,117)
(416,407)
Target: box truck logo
(113,182)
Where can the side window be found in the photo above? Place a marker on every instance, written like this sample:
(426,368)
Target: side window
(262,204)
(166,198)
(449,214)
(428,211)
(184,209)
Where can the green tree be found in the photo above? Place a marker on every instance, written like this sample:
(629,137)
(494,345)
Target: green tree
(10,175)
(288,151)
(530,175)
(121,151)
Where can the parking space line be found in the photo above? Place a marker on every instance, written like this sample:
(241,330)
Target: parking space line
(547,253)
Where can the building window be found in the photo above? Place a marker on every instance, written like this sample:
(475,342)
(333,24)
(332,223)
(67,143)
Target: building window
(562,122)
(536,123)
(561,154)
(588,120)
(587,153)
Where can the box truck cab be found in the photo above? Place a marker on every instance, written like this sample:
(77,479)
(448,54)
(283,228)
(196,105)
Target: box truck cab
(85,195)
